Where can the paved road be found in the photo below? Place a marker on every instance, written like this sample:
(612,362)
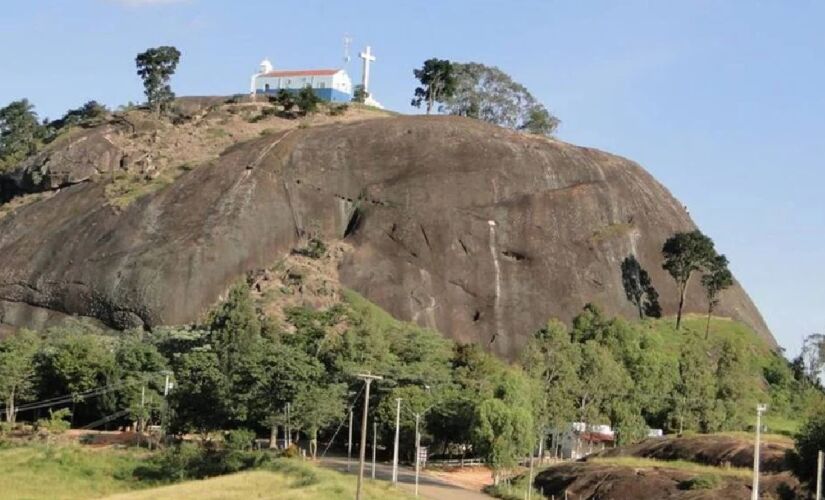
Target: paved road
(428,486)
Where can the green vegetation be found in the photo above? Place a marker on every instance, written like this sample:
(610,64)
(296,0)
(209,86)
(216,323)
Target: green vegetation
(67,472)
(155,67)
(438,83)
(648,374)
(487,93)
(74,472)
(703,482)
(639,289)
(21,133)
(685,254)
(680,465)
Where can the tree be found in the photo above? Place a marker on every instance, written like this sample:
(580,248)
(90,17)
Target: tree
(489,94)
(317,407)
(685,253)
(503,425)
(695,395)
(156,66)
(552,359)
(716,280)
(809,441)
(438,83)
(139,366)
(200,398)
(603,382)
(307,100)
(733,389)
(89,114)
(540,121)
(359,94)
(639,289)
(235,327)
(20,133)
(812,357)
(17,370)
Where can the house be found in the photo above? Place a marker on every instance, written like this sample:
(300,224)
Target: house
(578,440)
(331,85)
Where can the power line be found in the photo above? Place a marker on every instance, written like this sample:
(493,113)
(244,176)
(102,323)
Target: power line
(343,419)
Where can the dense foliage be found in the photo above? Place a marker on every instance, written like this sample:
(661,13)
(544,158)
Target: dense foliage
(242,370)
(438,83)
(489,94)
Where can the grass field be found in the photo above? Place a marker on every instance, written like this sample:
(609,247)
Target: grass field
(292,481)
(69,472)
(66,472)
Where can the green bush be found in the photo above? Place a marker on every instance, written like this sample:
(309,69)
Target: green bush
(315,249)
(706,482)
(189,461)
(56,423)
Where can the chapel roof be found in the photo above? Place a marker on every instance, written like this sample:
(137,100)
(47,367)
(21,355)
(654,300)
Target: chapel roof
(302,72)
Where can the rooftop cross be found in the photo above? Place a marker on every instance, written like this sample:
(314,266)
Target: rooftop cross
(368,58)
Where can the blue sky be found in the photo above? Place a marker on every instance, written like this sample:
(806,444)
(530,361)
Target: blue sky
(724,102)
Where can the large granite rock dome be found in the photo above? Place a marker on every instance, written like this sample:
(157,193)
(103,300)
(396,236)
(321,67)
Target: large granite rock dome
(468,228)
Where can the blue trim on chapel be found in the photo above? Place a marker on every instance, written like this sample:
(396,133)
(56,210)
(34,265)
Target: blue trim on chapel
(329,95)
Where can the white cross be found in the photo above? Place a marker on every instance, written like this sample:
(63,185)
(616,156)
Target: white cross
(368,58)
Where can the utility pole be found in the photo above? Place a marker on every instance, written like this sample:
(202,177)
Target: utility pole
(820,458)
(349,440)
(374,444)
(367,378)
(760,408)
(395,448)
(417,451)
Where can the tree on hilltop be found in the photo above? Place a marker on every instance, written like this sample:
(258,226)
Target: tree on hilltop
(717,279)
(20,132)
(438,83)
(686,253)
(156,66)
(489,94)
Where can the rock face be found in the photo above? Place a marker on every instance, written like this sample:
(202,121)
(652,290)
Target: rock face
(76,159)
(473,230)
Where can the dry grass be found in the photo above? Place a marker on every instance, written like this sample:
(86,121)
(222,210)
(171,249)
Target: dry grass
(680,465)
(295,485)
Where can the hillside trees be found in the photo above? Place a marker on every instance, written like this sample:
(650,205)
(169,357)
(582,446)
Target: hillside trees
(317,407)
(685,254)
(715,281)
(487,93)
(156,66)
(438,83)
(17,370)
(552,359)
(639,289)
(20,132)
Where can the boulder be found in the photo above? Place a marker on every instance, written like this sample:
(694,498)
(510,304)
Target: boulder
(473,230)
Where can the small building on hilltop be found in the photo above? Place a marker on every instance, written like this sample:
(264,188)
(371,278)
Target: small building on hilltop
(331,85)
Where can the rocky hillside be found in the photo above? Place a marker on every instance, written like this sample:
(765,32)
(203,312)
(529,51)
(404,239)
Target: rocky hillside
(461,226)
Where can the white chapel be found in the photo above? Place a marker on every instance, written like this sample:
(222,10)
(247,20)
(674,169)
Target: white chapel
(331,85)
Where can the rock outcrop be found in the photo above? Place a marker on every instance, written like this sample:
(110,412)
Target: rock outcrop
(468,228)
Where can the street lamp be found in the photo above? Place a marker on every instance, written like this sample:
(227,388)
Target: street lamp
(760,409)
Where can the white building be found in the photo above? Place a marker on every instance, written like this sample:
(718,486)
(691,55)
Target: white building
(578,440)
(332,85)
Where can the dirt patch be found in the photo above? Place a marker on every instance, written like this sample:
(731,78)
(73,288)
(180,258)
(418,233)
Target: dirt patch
(471,478)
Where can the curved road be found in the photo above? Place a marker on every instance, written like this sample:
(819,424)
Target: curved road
(429,487)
